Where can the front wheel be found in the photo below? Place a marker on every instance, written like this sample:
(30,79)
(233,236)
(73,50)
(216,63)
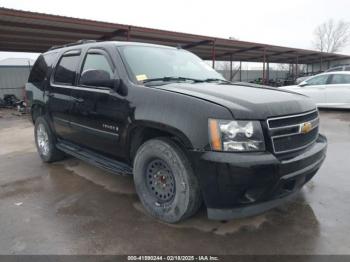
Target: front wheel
(165,182)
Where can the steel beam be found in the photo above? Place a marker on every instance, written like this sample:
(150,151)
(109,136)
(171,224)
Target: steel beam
(240,71)
(41,35)
(264,60)
(118,32)
(128,34)
(240,51)
(203,42)
(21,25)
(7,48)
(34,41)
(213,54)
(246,49)
(329,58)
(306,61)
(273,54)
(297,67)
(231,73)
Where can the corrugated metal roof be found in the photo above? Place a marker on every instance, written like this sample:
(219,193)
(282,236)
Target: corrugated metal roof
(36,32)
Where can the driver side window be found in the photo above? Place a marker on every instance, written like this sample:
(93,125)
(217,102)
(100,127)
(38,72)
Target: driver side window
(317,80)
(96,67)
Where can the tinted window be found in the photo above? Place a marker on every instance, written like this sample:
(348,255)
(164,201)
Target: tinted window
(340,79)
(347,68)
(97,62)
(317,80)
(42,68)
(65,70)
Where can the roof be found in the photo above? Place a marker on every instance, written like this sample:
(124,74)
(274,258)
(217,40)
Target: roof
(335,73)
(16,62)
(94,43)
(23,31)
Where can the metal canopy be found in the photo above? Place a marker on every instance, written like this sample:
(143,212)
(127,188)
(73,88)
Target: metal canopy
(23,31)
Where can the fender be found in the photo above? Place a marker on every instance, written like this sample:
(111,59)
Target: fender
(137,125)
(184,116)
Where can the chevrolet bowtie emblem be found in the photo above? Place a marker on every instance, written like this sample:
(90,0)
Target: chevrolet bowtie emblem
(305,127)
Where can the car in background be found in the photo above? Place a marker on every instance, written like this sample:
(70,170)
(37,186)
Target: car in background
(339,68)
(301,79)
(328,90)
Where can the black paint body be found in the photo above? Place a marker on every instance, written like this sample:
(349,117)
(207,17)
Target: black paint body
(113,123)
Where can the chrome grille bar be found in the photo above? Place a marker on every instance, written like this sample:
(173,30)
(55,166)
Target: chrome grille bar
(287,135)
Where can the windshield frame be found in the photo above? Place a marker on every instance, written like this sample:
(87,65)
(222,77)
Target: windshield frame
(130,72)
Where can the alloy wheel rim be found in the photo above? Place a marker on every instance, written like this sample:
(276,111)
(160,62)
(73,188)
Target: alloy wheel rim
(42,139)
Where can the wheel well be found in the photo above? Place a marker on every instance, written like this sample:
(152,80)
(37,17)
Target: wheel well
(37,111)
(141,135)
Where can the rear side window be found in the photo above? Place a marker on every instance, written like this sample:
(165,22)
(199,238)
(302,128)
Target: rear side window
(42,68)
(340,79)
(66,69)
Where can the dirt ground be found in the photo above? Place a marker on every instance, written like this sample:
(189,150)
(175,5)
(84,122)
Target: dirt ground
(71,207)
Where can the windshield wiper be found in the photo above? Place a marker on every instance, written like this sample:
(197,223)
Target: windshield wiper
(217,80)
(180,78)
(171,78)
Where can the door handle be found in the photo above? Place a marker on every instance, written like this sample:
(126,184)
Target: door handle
(79,100)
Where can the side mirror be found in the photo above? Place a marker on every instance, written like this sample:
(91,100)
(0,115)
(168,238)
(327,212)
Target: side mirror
(304,83)
(98,78)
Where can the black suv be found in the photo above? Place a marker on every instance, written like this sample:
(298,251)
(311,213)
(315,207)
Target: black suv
(186,134)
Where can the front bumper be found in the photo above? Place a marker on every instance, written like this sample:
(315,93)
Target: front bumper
(243,184)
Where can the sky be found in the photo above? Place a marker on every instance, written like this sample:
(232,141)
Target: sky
(288,23)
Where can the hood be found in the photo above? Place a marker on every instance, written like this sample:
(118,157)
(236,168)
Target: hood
(246,102)
(292,87)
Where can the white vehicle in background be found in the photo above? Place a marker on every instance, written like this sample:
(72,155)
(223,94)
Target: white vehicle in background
(328,90)
(339,68)
(301,79)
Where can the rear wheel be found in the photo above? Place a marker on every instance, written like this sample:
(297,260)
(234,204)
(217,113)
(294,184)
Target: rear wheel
(165,182)
(46,141)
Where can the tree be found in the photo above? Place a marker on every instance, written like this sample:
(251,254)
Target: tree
(332,36)
(224,68)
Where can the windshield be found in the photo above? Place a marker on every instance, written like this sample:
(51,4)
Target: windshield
(148,62)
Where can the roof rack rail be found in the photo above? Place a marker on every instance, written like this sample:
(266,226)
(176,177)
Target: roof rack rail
(79,42)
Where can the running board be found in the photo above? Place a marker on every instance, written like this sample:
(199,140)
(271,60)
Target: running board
(95,159)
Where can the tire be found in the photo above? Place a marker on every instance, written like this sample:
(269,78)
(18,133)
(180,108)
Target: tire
(45,141)
(160,166)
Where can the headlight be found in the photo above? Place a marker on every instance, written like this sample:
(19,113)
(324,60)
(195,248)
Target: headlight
(226,135)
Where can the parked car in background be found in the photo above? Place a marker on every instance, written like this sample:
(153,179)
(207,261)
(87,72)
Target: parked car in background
(339,68)
(328,90)
(301,79)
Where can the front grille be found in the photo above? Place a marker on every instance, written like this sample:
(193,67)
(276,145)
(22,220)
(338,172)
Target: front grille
(287,134)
